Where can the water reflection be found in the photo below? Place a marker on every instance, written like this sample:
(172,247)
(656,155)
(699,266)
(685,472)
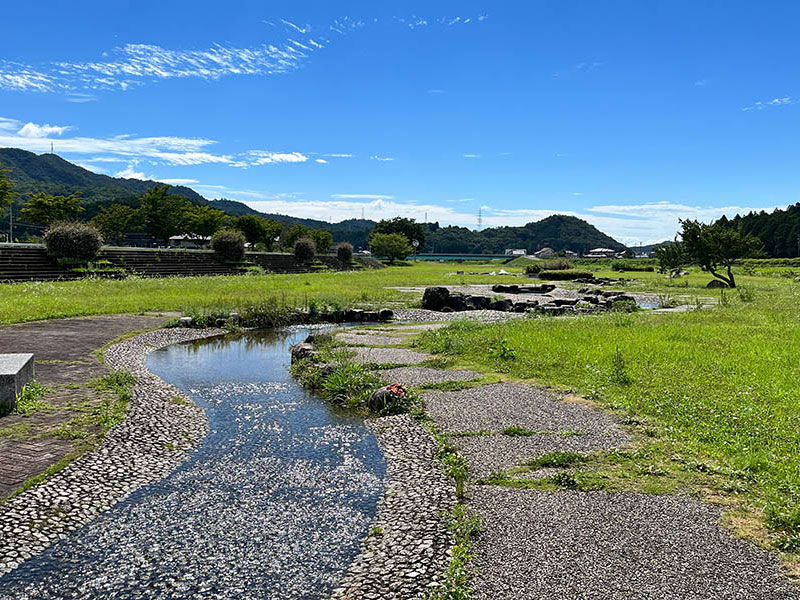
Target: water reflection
(273,504)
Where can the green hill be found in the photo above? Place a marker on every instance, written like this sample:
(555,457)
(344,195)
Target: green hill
(559,232)
(33,173)
(779,231)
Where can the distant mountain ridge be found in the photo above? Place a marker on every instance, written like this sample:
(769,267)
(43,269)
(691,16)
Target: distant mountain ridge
(49,173)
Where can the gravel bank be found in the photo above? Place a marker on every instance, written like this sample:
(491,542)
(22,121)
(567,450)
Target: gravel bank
(413,376)
(369,339)
(408,548)
(500,405)
(539,545)
(156,436)
(398,356)
(422,315)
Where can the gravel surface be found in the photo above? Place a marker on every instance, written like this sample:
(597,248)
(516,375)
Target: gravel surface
(487,316)
(540,545)
(412,376)
(408,547)
(398,356)
(155,437)
(369,339)
(500,405)
(501,452)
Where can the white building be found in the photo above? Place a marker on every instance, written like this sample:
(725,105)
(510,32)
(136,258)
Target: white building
(601,253)
(516,252)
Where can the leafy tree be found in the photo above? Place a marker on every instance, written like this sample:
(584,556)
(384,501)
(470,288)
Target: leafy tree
(715,246)
(294,233)
(114,221)
(392,246)
(323,240)
(204,221)
(406,227)
(6,189)
(272,230)
(252,227)
(305,249)
(163,214)
(45,209)
(671,258)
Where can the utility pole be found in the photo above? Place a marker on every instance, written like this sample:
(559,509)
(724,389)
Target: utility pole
(11,224)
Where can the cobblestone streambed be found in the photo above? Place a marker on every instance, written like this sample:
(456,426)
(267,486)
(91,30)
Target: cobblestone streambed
(273,504)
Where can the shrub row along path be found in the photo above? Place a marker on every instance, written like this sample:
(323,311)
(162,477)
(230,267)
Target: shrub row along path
(65,358)
(570,544)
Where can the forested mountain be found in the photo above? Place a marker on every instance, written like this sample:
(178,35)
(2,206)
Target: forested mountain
(779,230)
(51,174)
(559,232)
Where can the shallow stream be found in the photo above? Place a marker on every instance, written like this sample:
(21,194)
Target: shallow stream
(272,505)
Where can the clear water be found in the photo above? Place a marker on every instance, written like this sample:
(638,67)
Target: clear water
(272,505)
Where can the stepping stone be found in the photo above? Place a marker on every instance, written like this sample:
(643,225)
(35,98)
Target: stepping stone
(413,376)
(369,339)
(398,356)
(16,371)
(541,545)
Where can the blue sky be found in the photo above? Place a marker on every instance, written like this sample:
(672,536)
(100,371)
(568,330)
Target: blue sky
(627,114)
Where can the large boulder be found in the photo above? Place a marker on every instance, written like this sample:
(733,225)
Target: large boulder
(386,398)
(716,284)
(458,302)
(502,305)
(478,302)
(500,288)
(435,298)
(385,314)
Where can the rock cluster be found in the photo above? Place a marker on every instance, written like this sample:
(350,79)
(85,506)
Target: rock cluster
(408,548)
(156,436)
(442,300)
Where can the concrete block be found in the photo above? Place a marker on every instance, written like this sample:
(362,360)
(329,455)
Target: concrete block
(16,371)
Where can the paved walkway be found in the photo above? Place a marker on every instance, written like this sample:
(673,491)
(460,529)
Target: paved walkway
(64,351)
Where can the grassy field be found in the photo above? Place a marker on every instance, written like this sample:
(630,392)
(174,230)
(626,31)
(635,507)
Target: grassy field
(715,390)
(46,300)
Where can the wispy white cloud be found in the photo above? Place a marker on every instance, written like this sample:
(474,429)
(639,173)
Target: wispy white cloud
(701,82)
(783,101)
(577,193)
(382,158)
(77,98)
(362,197)
(321,161)
(7,124)
(338,155)
(471,155)
(437,91)
(262,157)
(178,181)
(32,130)
(579,69)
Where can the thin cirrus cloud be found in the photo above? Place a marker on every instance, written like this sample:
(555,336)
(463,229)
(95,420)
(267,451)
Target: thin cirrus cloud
(761,105)
(133,64)
(382,158)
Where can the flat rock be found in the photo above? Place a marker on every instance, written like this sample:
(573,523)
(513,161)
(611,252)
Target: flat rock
(544,545)
(369,339)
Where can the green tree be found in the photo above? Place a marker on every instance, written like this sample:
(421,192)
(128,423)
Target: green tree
(322,239)
(294,233)
(272,231)
(114,221)
(406,227)
(6,189)
(714,247)
(45,209)
(671,258)
(163,214)
(252,227)
(204,221)
(391,246)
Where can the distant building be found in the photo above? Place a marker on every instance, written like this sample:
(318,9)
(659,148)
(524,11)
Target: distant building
(516,252)
(545,253)
(570,254)
(601,253)
(192,242)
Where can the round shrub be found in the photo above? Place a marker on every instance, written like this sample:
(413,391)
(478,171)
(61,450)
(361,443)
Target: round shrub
(533,269)
(344,252)
(305,250)
(73,241)
(228,244)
